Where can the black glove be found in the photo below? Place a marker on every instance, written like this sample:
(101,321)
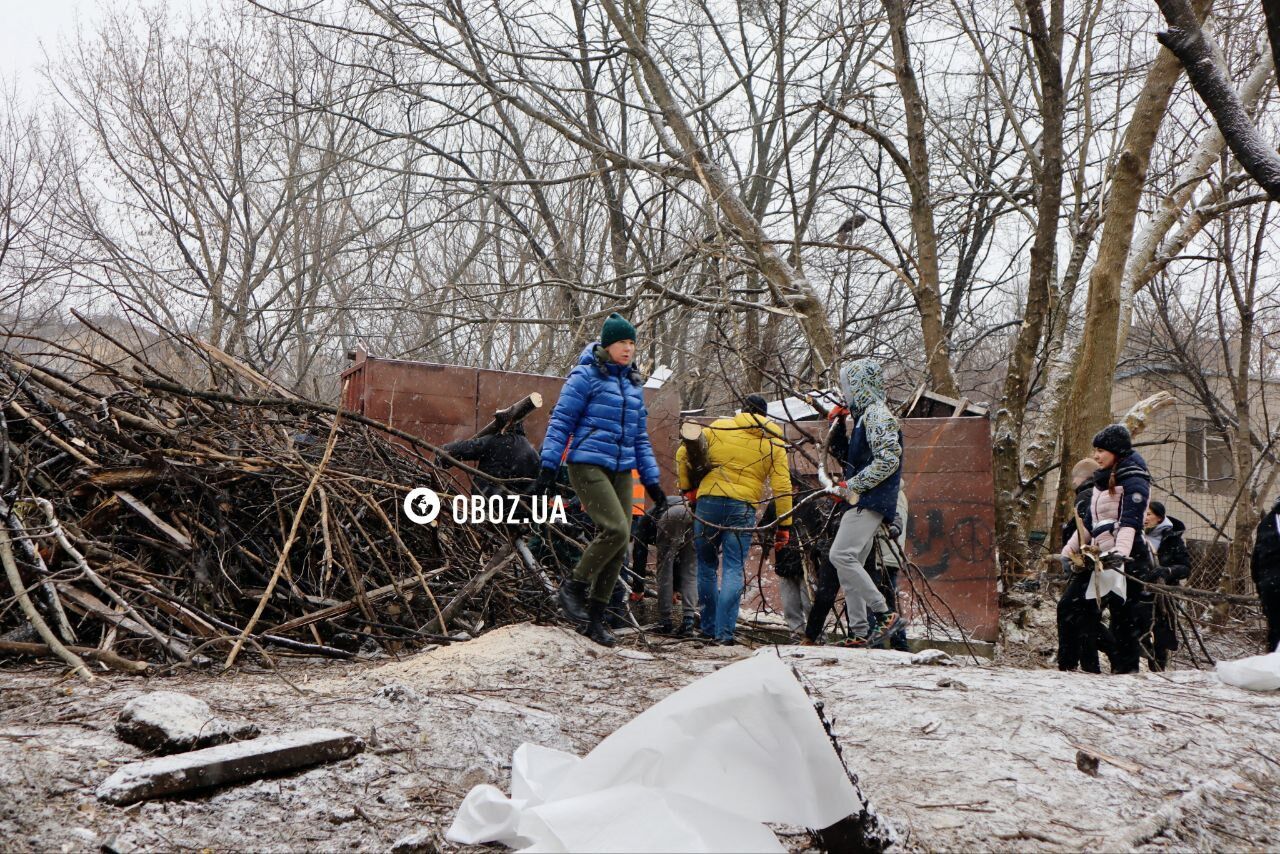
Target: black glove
(659,498)
(895,531)
(544,483)
(1114,560)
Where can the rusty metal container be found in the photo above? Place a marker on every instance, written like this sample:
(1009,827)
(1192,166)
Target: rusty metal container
(444,403)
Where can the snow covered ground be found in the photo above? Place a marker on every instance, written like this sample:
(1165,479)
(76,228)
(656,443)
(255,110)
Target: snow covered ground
(957,758)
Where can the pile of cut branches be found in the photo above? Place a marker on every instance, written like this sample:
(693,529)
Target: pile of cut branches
(147,521)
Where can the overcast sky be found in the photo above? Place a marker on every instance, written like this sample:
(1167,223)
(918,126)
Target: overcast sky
(28,28)
(29,23)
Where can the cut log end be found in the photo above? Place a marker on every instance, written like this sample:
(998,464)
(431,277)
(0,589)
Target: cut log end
(691,431)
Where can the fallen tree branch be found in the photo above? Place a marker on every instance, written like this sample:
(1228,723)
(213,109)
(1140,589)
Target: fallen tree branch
(110,659)
(29,609)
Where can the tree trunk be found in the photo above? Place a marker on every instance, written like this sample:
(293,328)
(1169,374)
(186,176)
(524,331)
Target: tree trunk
(1090,400)
(1007,443)
(1199,55)
(1237,577)
(1144,264)
(929,294)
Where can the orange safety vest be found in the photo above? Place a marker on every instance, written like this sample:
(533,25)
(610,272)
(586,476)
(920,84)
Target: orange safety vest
(637,494)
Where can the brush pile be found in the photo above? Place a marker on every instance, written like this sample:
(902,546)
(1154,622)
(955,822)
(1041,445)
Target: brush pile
(144,521)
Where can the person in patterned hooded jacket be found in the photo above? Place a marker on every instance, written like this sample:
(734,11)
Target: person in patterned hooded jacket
(872,457)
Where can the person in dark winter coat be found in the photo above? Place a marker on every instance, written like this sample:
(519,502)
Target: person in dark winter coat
(1080,631)
(601,418)
(1112,522)
(1266,572)
(504,455)
(800,560)
(1171,564)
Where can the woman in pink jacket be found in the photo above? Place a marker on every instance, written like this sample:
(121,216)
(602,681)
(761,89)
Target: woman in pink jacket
(1113,521)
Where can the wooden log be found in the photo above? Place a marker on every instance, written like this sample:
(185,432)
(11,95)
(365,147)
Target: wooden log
(28,608)
(817,404)
(342,609)
(1142,413)
(123,477)
(440,624)
(694,439)
(226,764)
(513,414)
(110,659)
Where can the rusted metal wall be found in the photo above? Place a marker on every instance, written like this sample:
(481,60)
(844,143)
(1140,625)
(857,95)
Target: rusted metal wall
(951,517)
(946,468)
(443,403)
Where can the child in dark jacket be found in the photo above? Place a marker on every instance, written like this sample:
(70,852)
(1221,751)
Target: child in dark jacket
(1080,630)
(1171,564)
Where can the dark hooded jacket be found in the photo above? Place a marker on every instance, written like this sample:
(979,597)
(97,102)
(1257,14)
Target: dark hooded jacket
(1266,551)
(1083,492)
(1171,558)
(503,455)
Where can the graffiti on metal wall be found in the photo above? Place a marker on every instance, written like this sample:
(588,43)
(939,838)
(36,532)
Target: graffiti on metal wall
(948,536)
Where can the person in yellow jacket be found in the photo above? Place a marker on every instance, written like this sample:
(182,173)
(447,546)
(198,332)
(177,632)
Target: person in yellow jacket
(745,452)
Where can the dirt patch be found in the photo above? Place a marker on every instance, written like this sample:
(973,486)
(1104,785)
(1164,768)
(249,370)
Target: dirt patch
(957,758)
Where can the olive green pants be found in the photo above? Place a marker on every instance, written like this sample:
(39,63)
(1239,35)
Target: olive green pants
(606,498)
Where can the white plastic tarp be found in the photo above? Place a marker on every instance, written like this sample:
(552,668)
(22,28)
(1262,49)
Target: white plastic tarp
(702,770)
(1255,673)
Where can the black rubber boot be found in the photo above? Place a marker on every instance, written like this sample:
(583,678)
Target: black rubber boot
(573,600)
(596,630)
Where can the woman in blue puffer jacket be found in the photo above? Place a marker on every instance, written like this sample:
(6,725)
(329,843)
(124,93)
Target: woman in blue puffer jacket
(601,418)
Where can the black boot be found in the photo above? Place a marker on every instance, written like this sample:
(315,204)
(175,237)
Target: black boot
(686,629)
(596,630)
(573,600)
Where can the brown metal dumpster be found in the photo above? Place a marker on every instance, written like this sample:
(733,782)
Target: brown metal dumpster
(444,403)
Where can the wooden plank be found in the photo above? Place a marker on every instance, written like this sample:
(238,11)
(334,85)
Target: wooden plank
(226,764)
(136,505)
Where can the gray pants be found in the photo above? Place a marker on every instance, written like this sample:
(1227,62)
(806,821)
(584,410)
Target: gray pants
(849,550)
(677,562)
(795,602)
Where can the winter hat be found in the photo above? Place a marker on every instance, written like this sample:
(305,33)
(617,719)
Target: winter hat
(1083,471)
(755,404)
(1114,438)
(1157,507)
(615,329)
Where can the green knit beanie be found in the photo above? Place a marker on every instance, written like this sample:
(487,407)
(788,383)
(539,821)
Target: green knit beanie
(616,328)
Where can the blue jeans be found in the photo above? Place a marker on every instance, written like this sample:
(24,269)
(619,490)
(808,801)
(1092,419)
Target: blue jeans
(720,583)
